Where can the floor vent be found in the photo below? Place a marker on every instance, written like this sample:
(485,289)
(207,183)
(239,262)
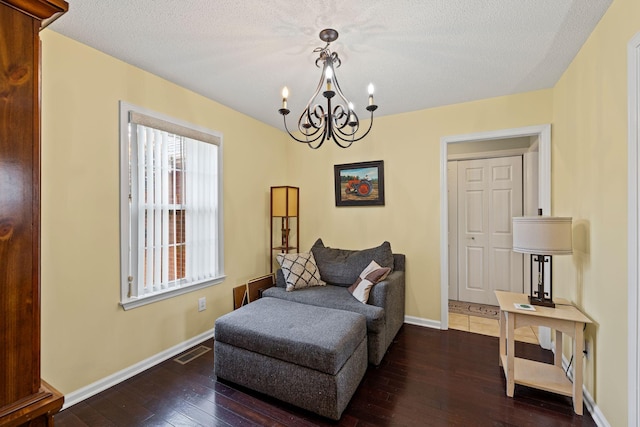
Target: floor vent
(192,354)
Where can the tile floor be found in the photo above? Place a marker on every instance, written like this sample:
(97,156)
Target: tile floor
(483,326)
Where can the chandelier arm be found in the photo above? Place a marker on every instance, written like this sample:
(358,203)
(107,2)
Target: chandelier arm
(361,136)
(339,90)
(309,121)
(334,58)
(340,117)
(302,140)
(354,129)
(308,109)
(339,140)
(315,147)
(357,119)
(318,88)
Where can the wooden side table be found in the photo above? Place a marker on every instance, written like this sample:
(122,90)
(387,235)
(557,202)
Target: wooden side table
(564,319)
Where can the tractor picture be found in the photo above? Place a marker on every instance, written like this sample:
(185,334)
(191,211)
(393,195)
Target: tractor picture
(359,187)
(359,184)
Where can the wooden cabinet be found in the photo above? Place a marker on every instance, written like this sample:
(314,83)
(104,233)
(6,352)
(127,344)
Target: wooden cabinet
(24,398)
(285,225)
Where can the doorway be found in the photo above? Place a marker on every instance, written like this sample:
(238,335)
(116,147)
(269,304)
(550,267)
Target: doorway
(483,195)
(540,136)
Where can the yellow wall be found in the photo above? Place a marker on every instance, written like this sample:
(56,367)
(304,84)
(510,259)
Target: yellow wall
(86,336)
(589,170)
(409,144)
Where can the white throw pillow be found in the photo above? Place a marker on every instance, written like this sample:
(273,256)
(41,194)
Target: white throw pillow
(299,270)
(369,277)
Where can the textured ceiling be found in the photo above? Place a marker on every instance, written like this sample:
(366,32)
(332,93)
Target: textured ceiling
(418,53)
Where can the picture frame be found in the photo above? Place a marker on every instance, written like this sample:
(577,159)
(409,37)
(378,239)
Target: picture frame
(359,184)
(252,290)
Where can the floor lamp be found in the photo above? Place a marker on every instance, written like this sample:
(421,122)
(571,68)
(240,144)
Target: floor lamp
(541,237)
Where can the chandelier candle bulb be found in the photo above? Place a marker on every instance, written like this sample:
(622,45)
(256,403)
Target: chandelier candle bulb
(352,116)
(329,74)
(370,89)
(285,95)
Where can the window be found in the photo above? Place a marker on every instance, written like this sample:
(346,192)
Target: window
(170,207)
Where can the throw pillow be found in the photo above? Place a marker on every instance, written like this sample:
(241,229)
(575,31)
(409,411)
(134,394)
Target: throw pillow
(370,276)
(342,267)
(299,270)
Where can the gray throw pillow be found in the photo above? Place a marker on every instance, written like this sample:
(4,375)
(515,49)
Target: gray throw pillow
(343,267)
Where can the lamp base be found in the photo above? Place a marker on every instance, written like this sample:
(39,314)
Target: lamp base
(545,302)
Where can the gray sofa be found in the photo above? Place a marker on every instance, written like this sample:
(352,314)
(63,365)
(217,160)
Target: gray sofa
(384,311)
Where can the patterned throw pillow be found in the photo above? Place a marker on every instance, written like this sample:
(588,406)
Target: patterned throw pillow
(299,270)
(369,277)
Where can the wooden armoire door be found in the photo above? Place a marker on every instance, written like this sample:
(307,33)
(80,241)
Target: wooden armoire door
(24,398)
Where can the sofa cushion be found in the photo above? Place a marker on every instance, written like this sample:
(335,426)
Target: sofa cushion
(299,270)
(337,297)
(369,277)
(342,266)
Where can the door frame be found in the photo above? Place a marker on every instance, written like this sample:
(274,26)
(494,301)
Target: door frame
(543,132)
(633,298)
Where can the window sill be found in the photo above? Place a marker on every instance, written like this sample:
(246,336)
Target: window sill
(160,296)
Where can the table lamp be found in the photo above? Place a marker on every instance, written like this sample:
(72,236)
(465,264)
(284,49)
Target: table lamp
(542,237)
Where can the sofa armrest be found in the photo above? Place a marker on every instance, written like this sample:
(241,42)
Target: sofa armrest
(389,292)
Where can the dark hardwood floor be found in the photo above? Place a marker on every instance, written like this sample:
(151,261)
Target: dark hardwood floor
(427,378)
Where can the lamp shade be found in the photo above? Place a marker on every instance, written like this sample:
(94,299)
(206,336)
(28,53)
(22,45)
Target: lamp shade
(284,201)
(542,235)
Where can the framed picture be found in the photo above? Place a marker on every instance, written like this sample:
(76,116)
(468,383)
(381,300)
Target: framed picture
(359,184)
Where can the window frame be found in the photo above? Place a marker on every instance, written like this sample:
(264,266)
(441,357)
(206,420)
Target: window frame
(126,224)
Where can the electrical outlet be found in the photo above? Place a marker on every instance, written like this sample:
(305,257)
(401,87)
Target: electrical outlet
(586,349)
(202,304)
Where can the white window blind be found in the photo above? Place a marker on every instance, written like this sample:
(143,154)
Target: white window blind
(172,221)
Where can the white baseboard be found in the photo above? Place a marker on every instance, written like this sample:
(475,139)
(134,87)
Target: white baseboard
(418,321)
(103,384)
(594,410)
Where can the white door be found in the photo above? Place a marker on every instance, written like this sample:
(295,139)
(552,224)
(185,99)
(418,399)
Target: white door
(489,195)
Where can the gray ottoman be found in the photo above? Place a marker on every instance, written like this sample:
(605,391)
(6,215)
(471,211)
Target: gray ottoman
(311,357)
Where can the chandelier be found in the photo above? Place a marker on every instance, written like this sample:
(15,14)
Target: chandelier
(339,122)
